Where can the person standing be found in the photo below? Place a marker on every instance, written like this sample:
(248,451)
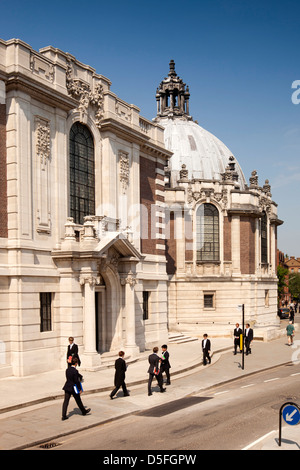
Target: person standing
(237,337)
(248,338)
(73,388)
(72,352)
(165,363)
(290,331)
(120,367)
(206,345)
(291,315)
(154,371)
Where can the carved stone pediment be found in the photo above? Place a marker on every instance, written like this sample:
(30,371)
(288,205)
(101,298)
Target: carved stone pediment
(81,91)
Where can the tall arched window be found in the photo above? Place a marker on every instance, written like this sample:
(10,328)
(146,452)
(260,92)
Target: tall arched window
(264,238)
(207,222)
(82,173)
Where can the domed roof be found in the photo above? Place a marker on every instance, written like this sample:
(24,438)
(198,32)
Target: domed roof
(203,154)
(205,157)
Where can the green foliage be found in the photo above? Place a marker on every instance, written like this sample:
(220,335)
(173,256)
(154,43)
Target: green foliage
(294,285)
(281,274)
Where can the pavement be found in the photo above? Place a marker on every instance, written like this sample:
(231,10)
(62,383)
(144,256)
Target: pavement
(30,407)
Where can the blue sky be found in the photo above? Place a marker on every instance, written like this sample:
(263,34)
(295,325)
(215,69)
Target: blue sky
(239,59)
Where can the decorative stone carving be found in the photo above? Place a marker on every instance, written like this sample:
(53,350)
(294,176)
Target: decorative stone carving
(253,180)
(124,170)
(91,278)
(184,173)
(230,175)
(267,188)
(81,91)
(43,175)
(42,140)
(40,66)
(130,279)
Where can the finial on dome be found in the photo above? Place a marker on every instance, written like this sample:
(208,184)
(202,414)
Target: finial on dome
(172,68)
(172,96)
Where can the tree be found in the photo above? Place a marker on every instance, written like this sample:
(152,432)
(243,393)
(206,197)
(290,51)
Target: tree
(294,285)
(282,276)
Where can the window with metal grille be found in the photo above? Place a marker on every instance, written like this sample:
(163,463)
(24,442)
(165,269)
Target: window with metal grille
(207,224)
(264,238)
(82,173)
(146,305)
(45,311)
(208,300)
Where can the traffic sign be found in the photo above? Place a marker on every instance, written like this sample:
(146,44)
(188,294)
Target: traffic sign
(291,414)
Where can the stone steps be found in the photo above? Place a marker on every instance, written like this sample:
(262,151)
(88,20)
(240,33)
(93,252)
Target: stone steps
(181,338)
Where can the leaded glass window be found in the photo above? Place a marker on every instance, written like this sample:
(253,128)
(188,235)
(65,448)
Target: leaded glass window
(82,173)
(207,224)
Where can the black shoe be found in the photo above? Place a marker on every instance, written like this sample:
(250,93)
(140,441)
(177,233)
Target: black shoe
(162,390)
(111,397)
(87,411)
(149,394)
(64,418)
(126,395)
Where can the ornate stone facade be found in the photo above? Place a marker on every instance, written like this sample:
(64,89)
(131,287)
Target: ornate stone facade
(74,147)
(221,233)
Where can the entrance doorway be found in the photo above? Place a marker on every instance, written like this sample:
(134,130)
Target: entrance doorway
(101,326)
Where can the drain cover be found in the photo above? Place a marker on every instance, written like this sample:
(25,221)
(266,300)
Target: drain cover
(49,445)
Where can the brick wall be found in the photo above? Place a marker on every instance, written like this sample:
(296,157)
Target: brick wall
(171,245)
(3,173)
(227,238)
(247,241)
(152,201)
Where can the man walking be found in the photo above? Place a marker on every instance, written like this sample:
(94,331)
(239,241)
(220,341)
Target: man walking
(248,338)
(121,367)
(237,337)
(154,371)
(206,349)
(165,363)
(73,388)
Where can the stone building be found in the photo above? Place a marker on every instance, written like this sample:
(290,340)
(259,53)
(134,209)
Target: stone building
(116,229)
(80,168)
(221,232)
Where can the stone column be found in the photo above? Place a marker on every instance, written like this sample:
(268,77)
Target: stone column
(129,283)
(90,358)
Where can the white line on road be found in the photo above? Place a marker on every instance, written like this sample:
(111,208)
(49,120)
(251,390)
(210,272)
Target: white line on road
(245,386)
(219,393)
(297,373)
(258,440)
(271,380)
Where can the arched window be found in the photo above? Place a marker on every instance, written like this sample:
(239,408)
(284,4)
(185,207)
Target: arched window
(264,238)
(82,173)
(207,224)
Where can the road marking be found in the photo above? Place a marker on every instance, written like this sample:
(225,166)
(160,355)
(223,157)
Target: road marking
(271,380)
(258,440)
(219,393)
(297,373)
(245,386)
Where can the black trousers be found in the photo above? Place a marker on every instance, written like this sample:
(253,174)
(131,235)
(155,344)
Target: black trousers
(205,357)
(236,344)
(159,379)
(247,344)
(167,371)
(66,403)
(124,388)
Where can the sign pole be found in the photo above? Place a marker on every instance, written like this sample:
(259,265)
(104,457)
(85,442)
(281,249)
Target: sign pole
(291,414)
(242,340)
